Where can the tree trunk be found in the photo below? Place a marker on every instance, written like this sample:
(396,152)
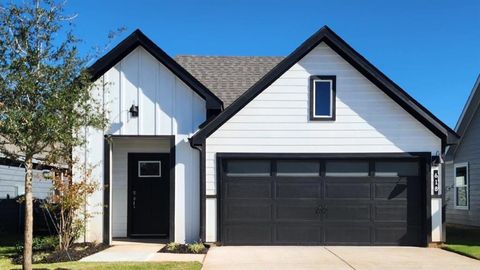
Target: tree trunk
(28,232)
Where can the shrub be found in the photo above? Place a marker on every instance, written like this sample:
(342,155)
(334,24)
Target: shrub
(67,205)
(40,243)
(196,247)
(172,246)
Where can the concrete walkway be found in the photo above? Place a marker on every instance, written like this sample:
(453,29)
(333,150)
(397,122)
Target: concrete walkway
(125,251)
(336,258)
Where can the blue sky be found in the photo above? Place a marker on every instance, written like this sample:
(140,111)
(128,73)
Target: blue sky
(430,48)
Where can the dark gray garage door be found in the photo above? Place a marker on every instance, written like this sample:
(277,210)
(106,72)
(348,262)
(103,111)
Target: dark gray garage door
(322,201)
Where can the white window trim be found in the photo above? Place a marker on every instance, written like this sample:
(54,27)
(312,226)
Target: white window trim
(331,98)
(150,161)
(460,165)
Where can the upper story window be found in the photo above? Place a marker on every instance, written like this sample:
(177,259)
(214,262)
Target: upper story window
(461,186)
(322,97)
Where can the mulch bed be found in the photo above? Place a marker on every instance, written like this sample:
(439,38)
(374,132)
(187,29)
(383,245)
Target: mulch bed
(183,249)
(75,253)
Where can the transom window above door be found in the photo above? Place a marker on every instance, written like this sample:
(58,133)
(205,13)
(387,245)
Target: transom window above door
(149,168)
(322,98)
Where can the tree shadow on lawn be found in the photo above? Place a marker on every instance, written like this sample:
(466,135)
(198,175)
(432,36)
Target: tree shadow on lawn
(463,236)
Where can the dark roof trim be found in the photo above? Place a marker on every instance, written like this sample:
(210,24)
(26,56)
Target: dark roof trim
(137,38)
(469,110)
(326,35)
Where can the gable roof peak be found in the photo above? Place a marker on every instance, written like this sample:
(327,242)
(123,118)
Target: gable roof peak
(138,38)
(325,34)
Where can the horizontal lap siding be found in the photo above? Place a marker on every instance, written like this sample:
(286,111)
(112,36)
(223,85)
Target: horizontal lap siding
(120,149)
(467,151)
(12,182)
(277,120)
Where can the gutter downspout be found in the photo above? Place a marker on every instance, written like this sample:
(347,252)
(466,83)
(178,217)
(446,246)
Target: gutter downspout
(202,156)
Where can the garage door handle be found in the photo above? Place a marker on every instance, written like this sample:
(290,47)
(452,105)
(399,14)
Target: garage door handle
(321,210)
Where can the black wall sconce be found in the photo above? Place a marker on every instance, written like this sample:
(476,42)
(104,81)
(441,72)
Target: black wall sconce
(436,160)
(133,111)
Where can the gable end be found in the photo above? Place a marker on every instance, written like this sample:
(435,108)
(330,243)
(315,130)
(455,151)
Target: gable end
(137,38)
(326,35)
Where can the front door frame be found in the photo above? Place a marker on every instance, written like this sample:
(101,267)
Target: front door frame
(132,156)
(107,168)
(425,160)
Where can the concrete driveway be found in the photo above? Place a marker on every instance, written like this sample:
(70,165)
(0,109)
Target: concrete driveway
(336,258)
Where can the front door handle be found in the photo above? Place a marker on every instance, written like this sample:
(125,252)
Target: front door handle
(134,198)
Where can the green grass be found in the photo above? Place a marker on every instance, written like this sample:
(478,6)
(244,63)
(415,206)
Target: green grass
(7,249)
(463,241)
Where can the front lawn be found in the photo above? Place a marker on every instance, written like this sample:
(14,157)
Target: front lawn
(463,241)
(7,249)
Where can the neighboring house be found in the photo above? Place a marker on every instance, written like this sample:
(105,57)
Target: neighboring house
(318,147)
(12,181)
(462,176)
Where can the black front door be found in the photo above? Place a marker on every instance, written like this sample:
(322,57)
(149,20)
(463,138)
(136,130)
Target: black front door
(148,194)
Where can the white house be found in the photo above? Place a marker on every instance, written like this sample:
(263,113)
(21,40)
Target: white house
(318,147)
(12,181)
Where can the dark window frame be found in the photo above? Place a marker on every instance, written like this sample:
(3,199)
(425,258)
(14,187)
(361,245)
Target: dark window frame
(465,186)
(333,79)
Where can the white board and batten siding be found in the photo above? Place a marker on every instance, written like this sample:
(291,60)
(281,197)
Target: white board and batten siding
(167,106)
(277,121)
(12,183)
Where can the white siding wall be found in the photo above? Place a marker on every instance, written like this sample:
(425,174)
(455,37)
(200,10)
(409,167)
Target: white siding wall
(12,183)
(166,107)
(277,121)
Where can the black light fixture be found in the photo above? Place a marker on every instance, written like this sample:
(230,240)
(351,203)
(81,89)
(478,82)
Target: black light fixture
(133,111)
(437,159)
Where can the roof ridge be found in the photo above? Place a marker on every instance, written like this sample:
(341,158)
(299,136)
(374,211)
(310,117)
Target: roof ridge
(229,56)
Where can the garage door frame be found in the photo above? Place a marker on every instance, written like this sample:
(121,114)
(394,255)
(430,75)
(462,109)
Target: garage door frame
(423,157)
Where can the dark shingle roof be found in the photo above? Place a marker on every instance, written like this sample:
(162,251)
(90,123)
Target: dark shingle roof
(228,76)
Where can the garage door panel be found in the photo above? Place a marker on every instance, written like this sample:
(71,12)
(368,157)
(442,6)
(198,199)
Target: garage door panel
(298,190)
(343,235)
(347,212)
(297,233)
(248,211)
(248,189)
(299,211)
(392,212)
(391,191)
(244,233)
(347,190)
(401,235)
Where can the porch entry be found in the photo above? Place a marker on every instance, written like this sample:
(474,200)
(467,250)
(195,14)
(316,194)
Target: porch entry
(148,194)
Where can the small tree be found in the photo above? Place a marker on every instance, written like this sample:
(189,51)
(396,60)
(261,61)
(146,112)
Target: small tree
(67,206)
(45,92)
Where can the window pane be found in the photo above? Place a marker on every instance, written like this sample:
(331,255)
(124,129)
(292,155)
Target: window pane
(298,168)
(461,176)
(149,169)
(322,98)
(396,169)
(248,168)
(346,168)
(461,196)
